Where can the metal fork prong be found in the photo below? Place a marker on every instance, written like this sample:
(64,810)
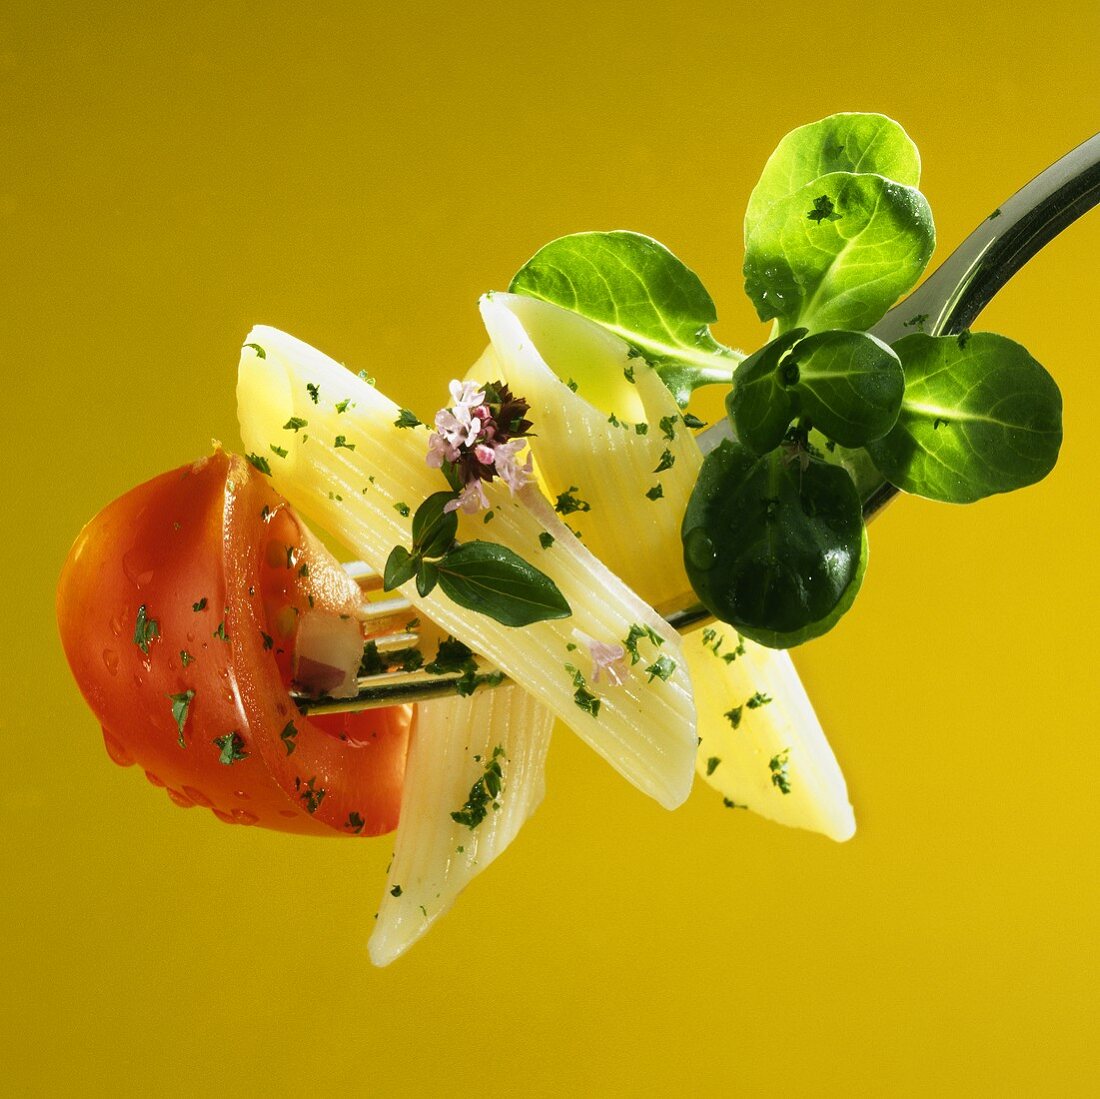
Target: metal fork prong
(361,572)
(395,641)
(384,608)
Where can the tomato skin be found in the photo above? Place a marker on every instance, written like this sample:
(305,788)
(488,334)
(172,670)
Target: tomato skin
(216,531)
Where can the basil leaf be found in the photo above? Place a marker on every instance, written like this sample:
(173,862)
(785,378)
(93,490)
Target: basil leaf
(979,416)
(771,548)
(433,529)
(840,143)
(841,269)
(491,579)
(637,289)
(400,568)
(760,406)
(849,384)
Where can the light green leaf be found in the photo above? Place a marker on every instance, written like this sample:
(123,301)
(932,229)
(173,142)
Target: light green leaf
(819,273)
(849,384)
(637,289)
(759,405)
(773,548)
(979,416)
(857,143)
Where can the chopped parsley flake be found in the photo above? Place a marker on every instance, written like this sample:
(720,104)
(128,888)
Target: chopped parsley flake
(635,635)
(469,682)
(568,503)
(489,516)
(304,570)
(185,657)
(546,539)
(781,778)
(757,701)
(572,385)
(396,891)
(656,492)
(661,669)
(402,509)
(232,748)
(484,792)
(668,460)
(355,823)
(451,656)
(641,429)
(145,629)
(269,641)
(260,352)
(295,423)
(281,451)
(730,804)
(311,794)
(712,764)
(341,441)
(823,210)
(342,406)
(220,633)
(405,418)
(289,737)
(628,373)
(200,605)
(916,321)
(181,703)
(692,421)
(314,391)
(668,426)
(261,463)
(734,716)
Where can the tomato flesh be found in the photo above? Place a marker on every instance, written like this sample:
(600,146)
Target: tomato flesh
(181,601)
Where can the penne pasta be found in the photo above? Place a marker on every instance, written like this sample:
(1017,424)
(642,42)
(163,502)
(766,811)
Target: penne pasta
(480,759)
(540,350)
(340,460)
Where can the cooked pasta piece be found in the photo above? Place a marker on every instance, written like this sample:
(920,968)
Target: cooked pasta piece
(335,450)
(475,774)
(580,376)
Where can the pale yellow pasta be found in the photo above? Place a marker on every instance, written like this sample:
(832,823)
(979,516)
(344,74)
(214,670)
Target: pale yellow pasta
(588,440)
(539,348)
(357,475)
(453,742)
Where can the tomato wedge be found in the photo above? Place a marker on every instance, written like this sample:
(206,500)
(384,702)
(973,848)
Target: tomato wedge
(179,608)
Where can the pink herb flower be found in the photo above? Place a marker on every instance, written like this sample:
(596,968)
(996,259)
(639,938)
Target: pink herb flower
(605,658)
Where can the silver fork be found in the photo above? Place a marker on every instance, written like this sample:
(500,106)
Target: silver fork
(946,303)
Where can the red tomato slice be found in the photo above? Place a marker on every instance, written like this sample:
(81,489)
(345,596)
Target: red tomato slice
(179,604)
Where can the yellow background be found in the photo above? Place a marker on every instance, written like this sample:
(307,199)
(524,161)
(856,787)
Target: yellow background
(357,174)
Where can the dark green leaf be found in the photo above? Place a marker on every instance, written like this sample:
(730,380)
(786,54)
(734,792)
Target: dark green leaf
(976,419)
(773,549)
(491,579)
(427,576)
(639,290)
(840,143)
(759,405)
(400,568)
(844,273)
(849,384)
(433,529)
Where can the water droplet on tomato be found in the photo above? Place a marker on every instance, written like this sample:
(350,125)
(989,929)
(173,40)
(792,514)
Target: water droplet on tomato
(153,779)
(240,794)
(138,681)
(243,816)
(198,797)
(117,751)
(116,626)
(287,813)
(135,568)
(182,800)
(223,816)
(110,659)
